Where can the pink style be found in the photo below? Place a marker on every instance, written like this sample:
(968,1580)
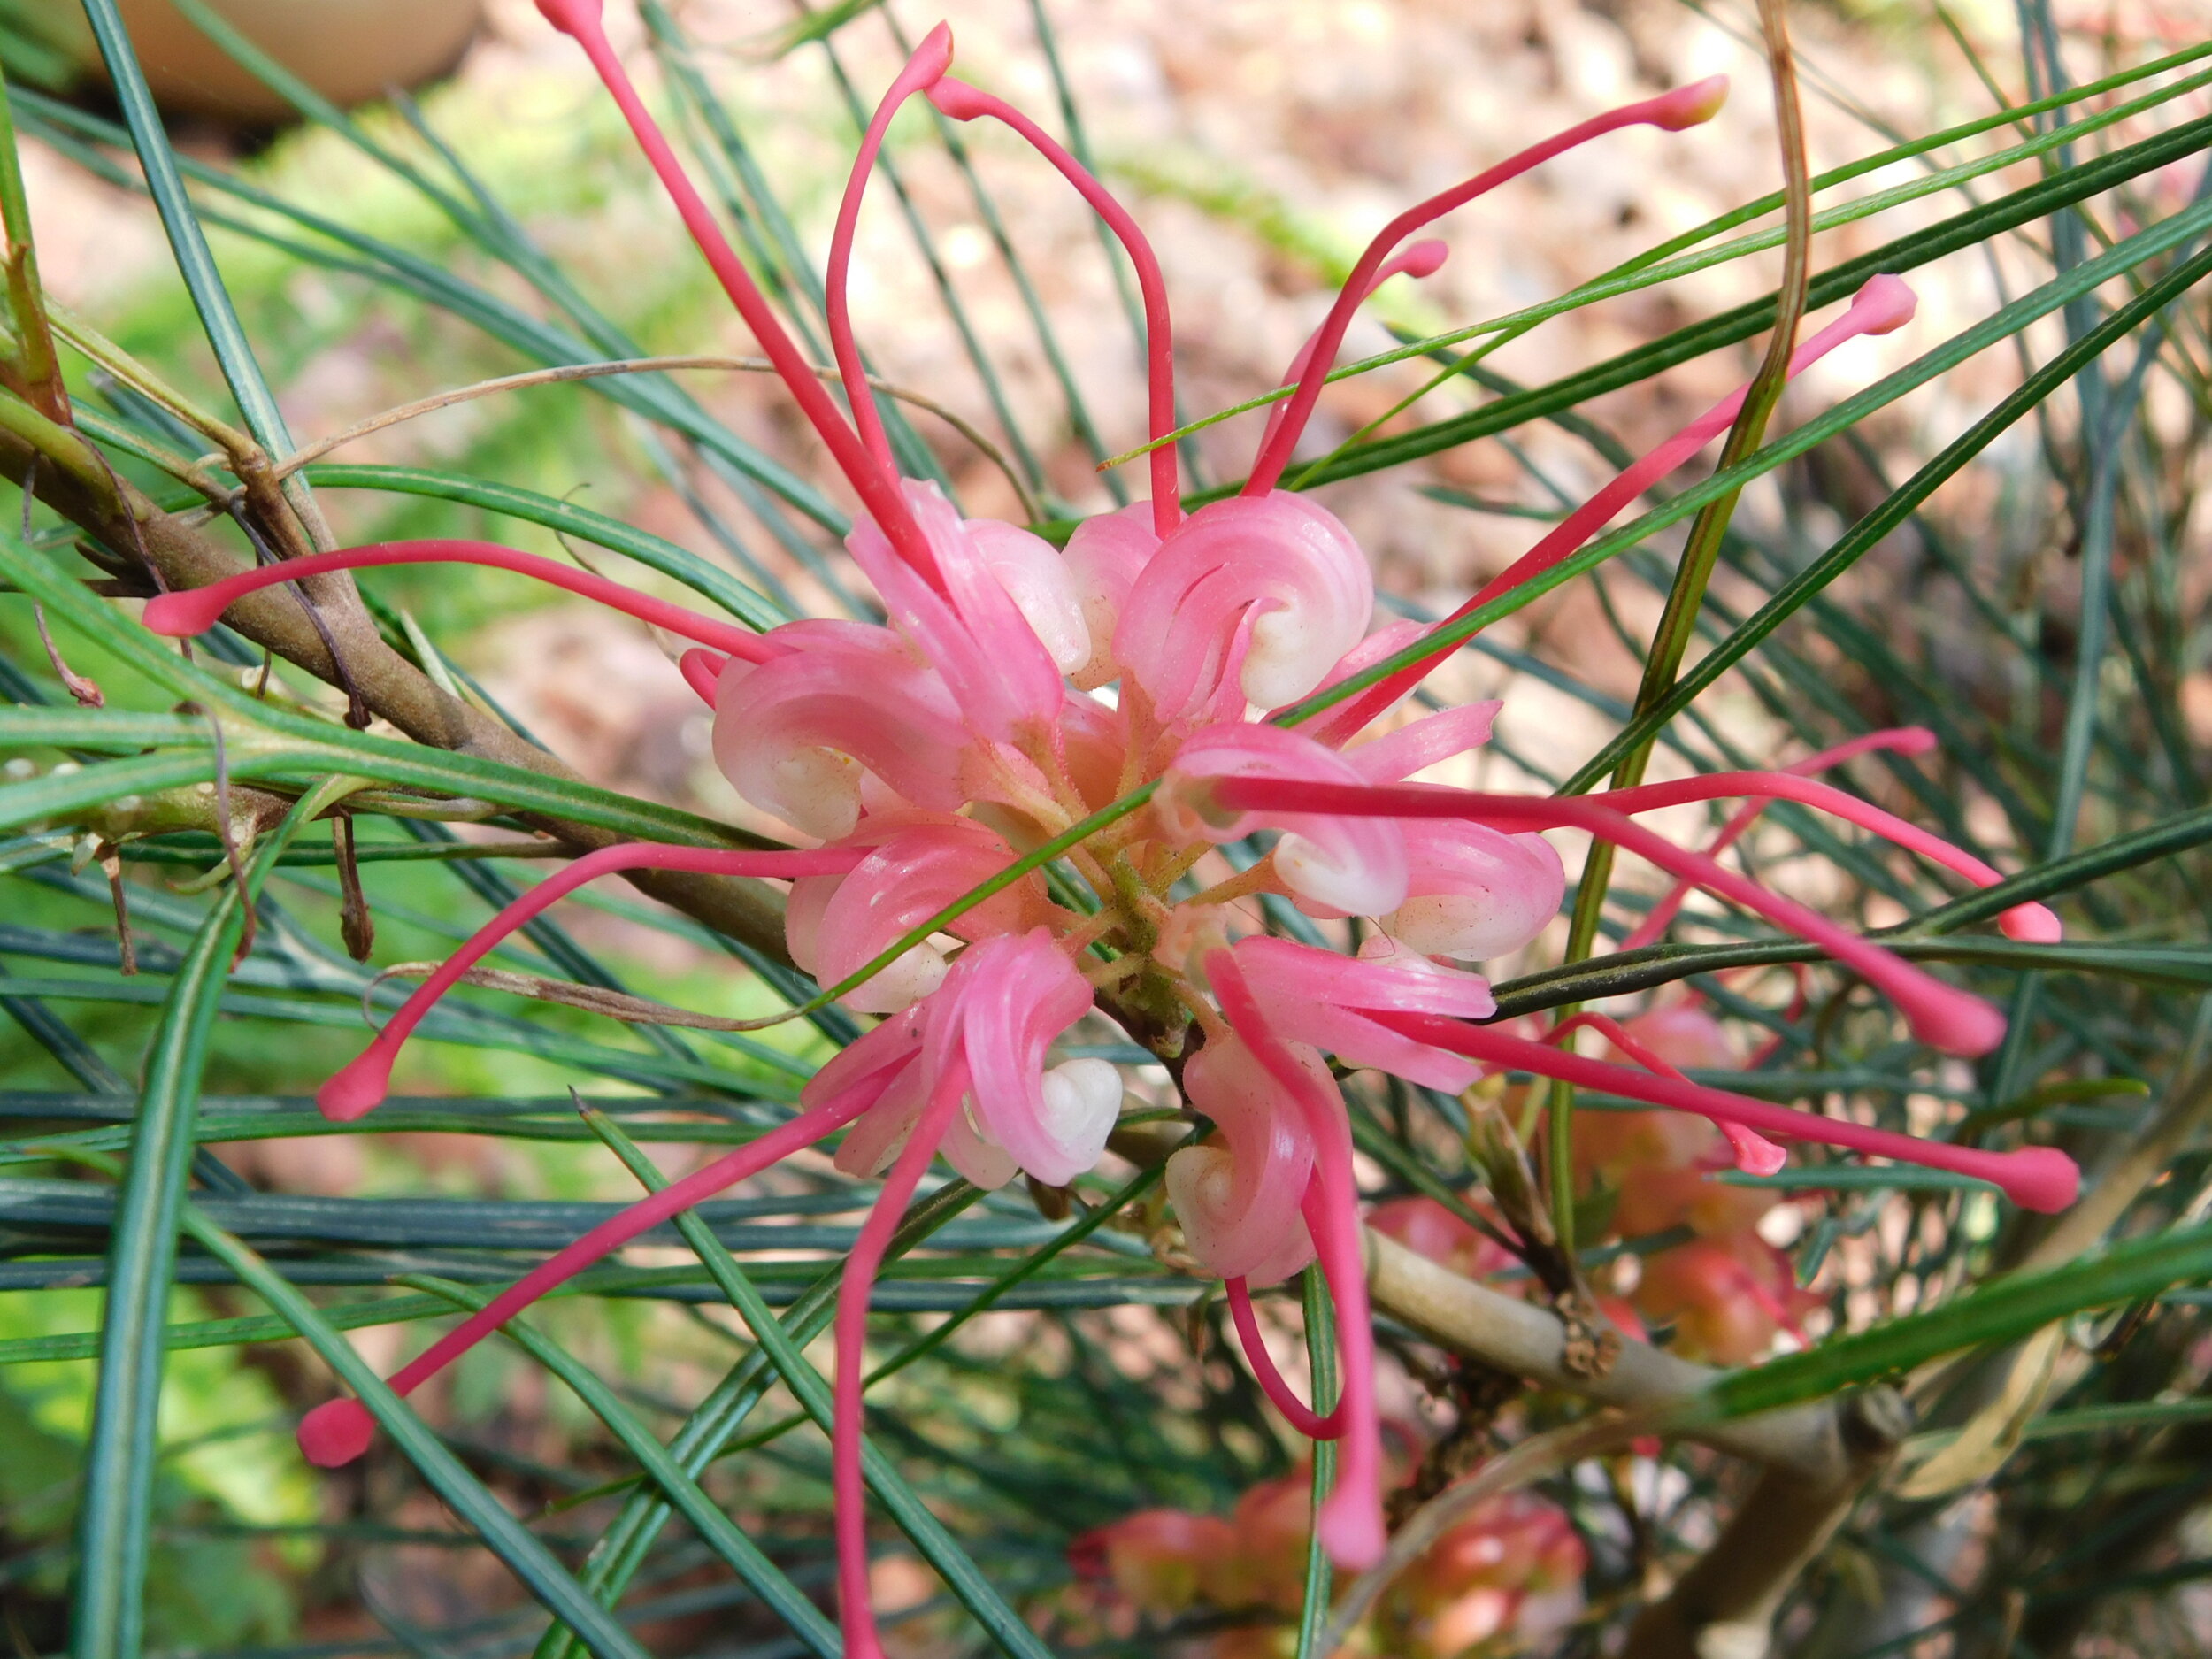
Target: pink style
(920,756)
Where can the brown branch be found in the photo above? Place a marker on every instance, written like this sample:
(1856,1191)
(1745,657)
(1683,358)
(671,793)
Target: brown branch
(1815,1459)
(67,476)
(1527,1340)
(1725,1605)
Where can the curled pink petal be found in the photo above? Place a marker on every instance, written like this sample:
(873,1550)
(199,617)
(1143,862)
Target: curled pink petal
(1238,1203)
(1396,756)
(1474,893)
(1104,557)
(364,1081)
(792,735)
(1350,1522)
(1332,1002)
(191,611)
(1020,994)
(1001,1007)
(1340,864)
(1036,577)
(1283,559)
(968,627)
(836,925)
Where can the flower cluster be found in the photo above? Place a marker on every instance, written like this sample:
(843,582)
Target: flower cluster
(1168,685)
(1511,1569)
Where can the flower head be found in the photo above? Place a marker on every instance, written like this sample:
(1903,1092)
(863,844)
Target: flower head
(924,755)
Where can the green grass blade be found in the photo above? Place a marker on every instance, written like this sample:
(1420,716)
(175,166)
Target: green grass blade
(1999,1310)
(112,1542)
(1313,1608)
(195,263)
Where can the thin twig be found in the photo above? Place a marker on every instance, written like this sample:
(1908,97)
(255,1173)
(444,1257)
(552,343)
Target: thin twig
(637,1011)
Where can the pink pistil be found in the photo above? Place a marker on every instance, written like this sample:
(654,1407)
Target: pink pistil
(2033,922)
(362,1082)
(1299,1415)
(1904,740)
(2035,1178)
(2023,921)
(1686,106)
(1883,304)
(854,1616)
(877,489)
(339,1431)
(1944,1018)
(184,613)
(964,102)
(1754,1154)
(1423,259)
(1350,1524)
(928,63)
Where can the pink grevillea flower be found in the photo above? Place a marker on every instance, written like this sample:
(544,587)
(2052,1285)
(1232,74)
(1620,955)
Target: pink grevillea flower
(1262,595)
(1001,1007)
(801,734)
(836,925)
(1334,1003)
(1350,1520)
(1238,1195)
(923,755)
(1345,866)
